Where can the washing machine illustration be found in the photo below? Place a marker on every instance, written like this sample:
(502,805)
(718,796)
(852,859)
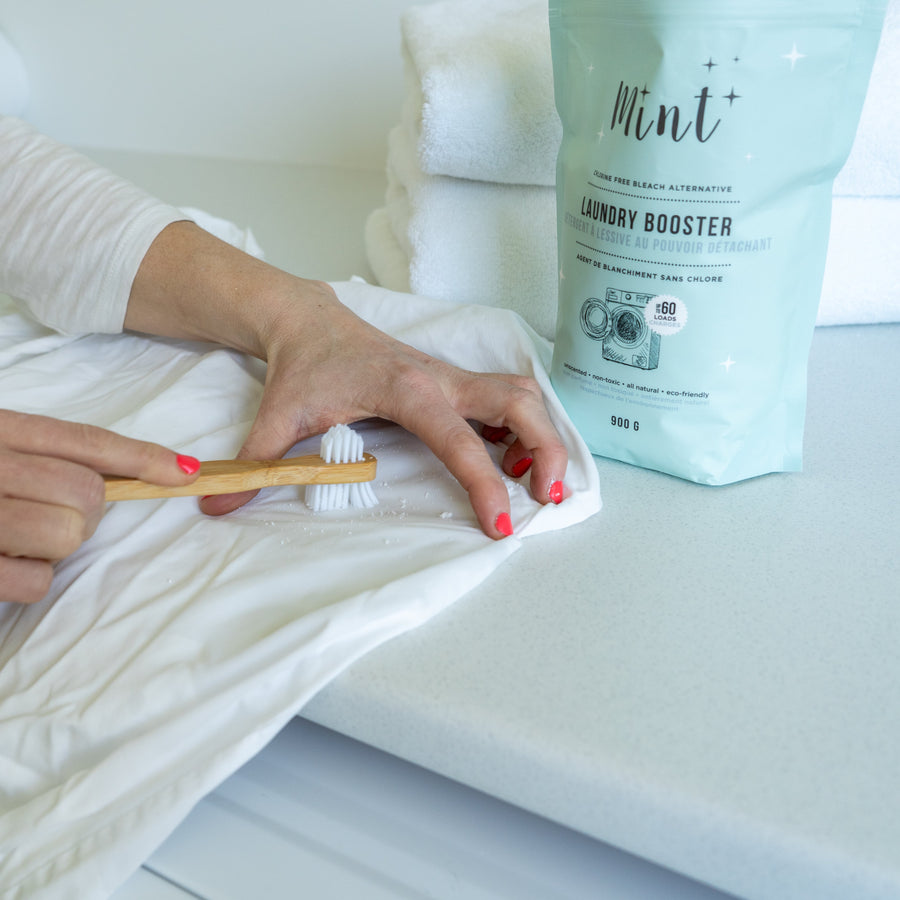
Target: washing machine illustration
(618,321)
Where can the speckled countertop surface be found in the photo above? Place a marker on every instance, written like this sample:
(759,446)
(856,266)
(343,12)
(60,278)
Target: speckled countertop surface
(707,677)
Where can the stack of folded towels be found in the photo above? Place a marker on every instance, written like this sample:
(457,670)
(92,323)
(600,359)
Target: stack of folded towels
(470,208)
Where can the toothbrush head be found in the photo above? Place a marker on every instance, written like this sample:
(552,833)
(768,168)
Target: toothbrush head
(340,444)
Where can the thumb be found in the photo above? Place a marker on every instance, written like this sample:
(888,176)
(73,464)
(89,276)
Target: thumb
(270,437)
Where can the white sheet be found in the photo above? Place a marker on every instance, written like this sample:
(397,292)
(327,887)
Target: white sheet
(174,646)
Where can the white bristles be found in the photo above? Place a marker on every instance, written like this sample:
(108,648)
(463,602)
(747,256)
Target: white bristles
(340,444)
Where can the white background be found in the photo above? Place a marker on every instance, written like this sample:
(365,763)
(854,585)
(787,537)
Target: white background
(291,81)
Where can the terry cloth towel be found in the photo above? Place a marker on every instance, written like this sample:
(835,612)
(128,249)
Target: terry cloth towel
(468,241)
(873,167)
(174,646)
(479,97)
(475,242)
(479,90)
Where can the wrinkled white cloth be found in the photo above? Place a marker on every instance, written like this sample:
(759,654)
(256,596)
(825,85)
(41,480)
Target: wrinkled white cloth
(174,646)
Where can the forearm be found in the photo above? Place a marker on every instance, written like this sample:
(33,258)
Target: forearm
(193,285)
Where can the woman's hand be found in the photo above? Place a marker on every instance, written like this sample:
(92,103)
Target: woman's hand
(52,492)
(337,368)
(326,365)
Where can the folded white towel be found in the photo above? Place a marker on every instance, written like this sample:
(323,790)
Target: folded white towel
(480,90)
(480,97)
(466,241)
(862,270)
(495,244)
(873,167)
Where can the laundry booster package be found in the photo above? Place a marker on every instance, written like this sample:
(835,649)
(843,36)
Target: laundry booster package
(700,142)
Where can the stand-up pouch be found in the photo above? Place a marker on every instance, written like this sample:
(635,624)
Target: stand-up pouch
(700,142)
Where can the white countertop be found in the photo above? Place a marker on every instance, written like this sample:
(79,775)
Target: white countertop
(706,677)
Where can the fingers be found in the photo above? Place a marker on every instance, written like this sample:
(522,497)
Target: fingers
(48,508)
(465,456)
(52,495)
(518,461)
(41,530)
(273,433)
(438,404)
(96,448)
(24,580)
(513,410)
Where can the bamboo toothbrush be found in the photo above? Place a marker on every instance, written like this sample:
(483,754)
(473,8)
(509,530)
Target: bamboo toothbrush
(338,477)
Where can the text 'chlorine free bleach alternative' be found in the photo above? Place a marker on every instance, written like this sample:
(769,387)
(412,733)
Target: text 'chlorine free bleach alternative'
(700,143)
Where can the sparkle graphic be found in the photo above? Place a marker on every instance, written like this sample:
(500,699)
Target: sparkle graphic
(749,157)
(600,135)
(590,68)
(728,363)
(793,56)
(709,65)
(732,97)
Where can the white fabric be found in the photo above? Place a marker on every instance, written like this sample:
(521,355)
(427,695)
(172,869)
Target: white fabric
(872,169)
(480,89)
(174,646)
(862,269)
(72,235)
(468,241)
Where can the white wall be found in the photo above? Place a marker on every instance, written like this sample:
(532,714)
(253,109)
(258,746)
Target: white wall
(284,80)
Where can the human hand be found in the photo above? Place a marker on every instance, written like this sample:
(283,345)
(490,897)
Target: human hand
(52,492)
(325,365)
(334,367)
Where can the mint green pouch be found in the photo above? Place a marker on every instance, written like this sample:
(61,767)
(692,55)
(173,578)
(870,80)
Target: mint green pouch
(700,142)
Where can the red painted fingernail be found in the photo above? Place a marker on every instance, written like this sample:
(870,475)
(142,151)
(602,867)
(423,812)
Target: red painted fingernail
(556,492)
(188,464)
(522,466)
(504,524)
(494,433)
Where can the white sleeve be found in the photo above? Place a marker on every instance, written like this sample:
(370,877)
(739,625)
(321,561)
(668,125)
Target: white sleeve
(72,235)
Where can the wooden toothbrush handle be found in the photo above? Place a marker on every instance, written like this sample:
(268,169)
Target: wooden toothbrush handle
(229,476)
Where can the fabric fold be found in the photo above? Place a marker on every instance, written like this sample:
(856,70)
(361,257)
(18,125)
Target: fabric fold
(174,646)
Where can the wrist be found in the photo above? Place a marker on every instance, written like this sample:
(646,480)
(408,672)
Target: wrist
(192,285)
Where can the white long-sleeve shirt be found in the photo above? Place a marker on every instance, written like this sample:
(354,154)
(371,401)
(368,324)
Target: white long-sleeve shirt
(72,235)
